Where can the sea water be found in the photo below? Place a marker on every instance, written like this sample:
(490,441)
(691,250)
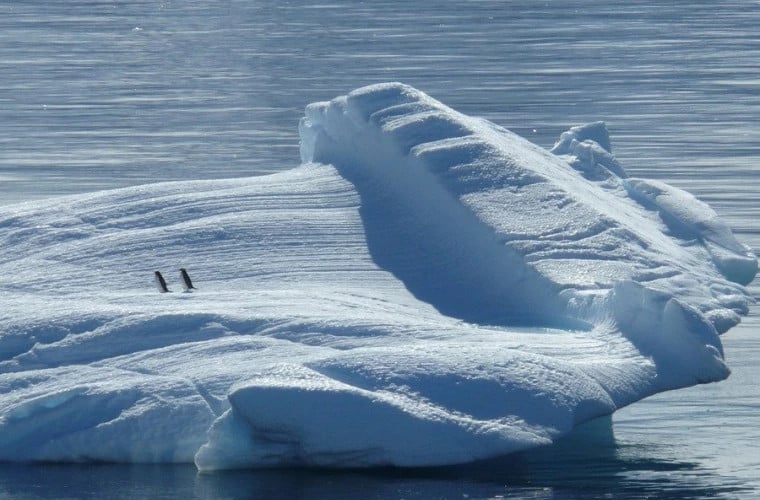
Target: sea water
(102,94)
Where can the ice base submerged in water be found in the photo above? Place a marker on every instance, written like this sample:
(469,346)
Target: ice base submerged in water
(426,289)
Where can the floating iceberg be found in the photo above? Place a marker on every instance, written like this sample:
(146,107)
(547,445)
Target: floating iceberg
(427,288)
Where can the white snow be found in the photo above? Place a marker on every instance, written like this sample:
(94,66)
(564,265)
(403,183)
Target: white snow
(426,288)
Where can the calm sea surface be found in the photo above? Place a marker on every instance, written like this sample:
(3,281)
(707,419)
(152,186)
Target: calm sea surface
(100,94)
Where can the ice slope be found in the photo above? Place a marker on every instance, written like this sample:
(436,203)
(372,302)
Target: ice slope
(426,288)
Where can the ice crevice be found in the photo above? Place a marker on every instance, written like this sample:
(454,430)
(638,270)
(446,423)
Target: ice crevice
(426,288)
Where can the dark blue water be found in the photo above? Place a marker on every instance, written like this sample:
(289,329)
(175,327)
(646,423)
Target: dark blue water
(100,94)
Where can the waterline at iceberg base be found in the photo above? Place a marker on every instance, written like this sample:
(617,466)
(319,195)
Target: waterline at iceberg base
(427,288)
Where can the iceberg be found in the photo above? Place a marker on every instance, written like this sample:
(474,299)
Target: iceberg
(426,288)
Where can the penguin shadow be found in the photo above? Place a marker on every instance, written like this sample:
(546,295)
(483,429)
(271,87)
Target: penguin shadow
(187,283)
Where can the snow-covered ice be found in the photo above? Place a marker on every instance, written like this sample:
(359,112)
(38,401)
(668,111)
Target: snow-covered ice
(426,288)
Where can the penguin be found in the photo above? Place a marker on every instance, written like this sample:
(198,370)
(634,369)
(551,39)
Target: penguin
(187,284)
(161,283)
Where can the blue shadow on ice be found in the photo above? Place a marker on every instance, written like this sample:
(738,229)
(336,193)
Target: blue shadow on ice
(588,461)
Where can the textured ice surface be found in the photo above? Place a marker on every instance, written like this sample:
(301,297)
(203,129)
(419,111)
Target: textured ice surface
(426,288)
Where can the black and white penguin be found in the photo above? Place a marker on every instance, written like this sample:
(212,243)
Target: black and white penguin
(187,284)
(161,283)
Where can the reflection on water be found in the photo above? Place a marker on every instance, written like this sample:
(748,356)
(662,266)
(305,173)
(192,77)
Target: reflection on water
(717,426)
(588,463)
